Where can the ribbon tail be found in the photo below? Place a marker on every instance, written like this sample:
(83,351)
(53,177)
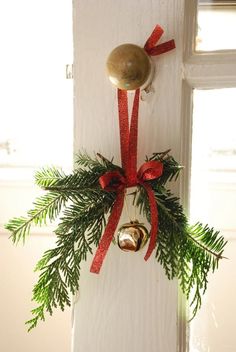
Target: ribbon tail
(108,234)
(133,139)
(154,37)
(161,48)
(124,127)
(154,219)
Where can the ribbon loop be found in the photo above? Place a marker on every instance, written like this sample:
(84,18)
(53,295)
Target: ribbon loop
(112,181)
(154,37)
(150,170)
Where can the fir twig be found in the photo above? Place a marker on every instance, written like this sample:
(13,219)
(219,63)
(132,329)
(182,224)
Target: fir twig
(185,252)
(46,207)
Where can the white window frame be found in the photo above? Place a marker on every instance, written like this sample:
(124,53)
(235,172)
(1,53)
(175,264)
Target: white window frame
(201,70)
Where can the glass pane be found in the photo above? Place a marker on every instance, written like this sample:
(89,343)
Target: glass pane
(213,201)
(36,112)
(216,25)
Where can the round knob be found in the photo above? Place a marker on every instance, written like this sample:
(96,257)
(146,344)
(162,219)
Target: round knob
(128,66)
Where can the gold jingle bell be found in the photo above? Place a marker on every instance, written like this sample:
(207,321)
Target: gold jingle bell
(129,67)
(132,236)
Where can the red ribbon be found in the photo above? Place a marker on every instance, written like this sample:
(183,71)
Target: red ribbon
(115,181)
(153,50)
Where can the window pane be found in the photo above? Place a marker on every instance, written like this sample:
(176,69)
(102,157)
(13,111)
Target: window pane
(36,115)
(213,201)
(216,25)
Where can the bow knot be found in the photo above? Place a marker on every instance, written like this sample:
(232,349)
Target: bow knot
(115,181)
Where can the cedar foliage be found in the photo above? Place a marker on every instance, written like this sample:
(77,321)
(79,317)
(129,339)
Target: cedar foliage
(186,252)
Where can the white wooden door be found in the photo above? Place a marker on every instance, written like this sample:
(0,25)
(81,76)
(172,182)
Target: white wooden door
(130,306)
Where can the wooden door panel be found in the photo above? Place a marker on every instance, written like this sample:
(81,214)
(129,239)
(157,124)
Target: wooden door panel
(130,306)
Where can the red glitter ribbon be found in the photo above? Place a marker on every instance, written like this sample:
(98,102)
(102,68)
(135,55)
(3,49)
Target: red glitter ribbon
(115,181)
(153,50)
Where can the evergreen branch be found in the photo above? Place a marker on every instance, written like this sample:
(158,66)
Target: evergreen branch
(51,290)
(207,239)
(70,189)
(187,253)
(200,251)
(46,207)
(85,160)
(48,177)
(171,168)
(79,179)
(83,178)
(80,227)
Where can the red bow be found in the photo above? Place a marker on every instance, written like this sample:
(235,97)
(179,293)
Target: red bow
(114,181)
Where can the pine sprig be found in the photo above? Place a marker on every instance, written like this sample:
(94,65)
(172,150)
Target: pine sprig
(46,207)
(80,228)
(82,179)
(171,168)
(186,252)
(86,161)
(47,177)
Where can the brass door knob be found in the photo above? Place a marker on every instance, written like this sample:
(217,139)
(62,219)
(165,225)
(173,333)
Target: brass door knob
(129,67)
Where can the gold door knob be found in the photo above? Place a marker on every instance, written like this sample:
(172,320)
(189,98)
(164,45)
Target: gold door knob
(128,67)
